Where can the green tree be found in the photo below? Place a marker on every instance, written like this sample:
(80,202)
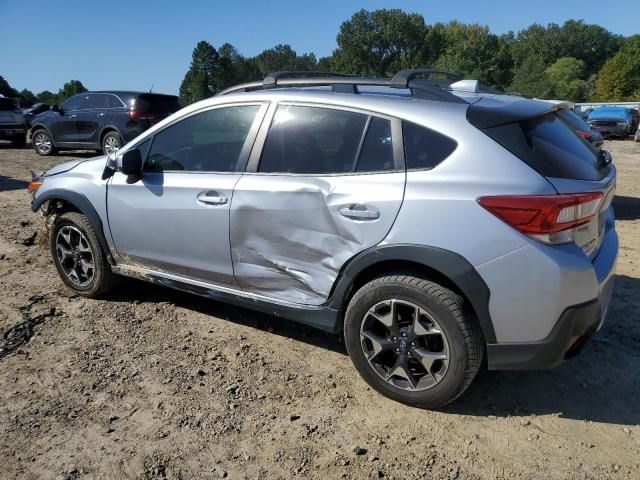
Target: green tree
(530,79)
(474,52)
(278,58)
(565,79)
(27,98)
(382,42)
(6,89)
(200,80)
(619,78)
(46,97)
(72,87)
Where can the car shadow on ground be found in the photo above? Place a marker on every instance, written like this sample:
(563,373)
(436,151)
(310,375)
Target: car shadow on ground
(595,386)
(599,385)
(134,290)
(626,208)
(7,184)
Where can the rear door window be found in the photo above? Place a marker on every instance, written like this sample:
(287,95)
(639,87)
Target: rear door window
(557,144)
(74,103)
(96,101)
(322,141)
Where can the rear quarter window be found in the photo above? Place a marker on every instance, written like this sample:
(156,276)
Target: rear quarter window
(425,148)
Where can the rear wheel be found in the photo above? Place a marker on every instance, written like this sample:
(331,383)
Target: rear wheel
(42,143)
(78,256)
(111,143)
(412,340)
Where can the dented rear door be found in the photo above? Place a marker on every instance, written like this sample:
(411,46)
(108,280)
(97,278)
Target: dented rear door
(323,185)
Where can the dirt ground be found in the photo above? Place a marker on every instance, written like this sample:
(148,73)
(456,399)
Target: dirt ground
(154,384)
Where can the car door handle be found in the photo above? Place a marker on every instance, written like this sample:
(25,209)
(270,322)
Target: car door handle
(212,198)
(72,116)
(101,114)
(358,211)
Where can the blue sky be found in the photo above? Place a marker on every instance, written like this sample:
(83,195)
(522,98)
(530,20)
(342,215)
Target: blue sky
(133,44)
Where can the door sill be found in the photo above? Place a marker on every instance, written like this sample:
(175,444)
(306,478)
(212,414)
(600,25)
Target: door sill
(321,317)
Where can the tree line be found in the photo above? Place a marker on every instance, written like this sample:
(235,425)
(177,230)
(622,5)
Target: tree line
(573,61)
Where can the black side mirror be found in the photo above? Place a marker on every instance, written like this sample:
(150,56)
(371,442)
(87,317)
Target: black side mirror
(131,162)
(56,108)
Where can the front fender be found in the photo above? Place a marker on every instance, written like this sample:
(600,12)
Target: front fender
(80,203)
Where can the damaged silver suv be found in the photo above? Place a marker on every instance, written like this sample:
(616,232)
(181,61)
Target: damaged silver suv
(434,222)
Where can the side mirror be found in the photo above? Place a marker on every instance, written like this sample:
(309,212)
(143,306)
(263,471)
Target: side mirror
(130,162)
(56,108)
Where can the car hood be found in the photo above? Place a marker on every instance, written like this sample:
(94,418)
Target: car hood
(65,167)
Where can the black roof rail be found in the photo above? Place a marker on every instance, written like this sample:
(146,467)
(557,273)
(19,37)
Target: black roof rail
(342,83)
(272,78)
(404,77)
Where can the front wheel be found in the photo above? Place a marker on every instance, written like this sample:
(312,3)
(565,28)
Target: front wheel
(79,257)
(412,340)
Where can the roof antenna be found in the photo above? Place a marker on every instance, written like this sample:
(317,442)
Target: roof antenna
(151,88)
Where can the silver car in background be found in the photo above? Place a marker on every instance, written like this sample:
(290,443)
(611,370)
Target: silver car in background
(433,222)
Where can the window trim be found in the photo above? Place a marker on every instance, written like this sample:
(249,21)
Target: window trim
(122,104)
(258,146)
(243,158)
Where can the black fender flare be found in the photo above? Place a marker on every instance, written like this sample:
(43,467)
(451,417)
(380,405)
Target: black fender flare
(82,204)
(449,264)
(112,128)
(42,126)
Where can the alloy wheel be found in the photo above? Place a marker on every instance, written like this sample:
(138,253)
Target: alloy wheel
(42,143)
(404,345)
(75,256)
(111,145)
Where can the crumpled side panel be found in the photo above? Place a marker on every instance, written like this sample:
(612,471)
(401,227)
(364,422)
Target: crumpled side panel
(288,238)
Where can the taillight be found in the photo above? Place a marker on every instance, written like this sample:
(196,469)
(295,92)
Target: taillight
(140,115)
(585,135)
(548,218)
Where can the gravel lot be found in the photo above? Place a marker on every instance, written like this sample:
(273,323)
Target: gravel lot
(154,384)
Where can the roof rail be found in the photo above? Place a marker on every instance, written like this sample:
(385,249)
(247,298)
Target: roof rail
(404,77)
(341,83)
(272,78)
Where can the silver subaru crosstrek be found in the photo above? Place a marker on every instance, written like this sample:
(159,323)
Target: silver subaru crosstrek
(434,222)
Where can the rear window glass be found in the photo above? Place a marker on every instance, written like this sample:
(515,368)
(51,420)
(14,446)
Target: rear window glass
(560,147)
(574,121)
(377,150)
(150,102)
(424,148)
(8,104)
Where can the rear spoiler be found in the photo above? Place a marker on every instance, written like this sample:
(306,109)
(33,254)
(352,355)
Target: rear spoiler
(486,113)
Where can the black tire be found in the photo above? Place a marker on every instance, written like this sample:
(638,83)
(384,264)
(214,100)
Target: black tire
(110,140)
(42,143)
(19,142)
(458,328)
(102,278)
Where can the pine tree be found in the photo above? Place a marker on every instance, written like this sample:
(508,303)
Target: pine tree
(200,80)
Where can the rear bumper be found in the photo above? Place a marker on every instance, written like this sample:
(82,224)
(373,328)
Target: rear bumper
(611,130)
(572,330)
(574,327)
(10,133)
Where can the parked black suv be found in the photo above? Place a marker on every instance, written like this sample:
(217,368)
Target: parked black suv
(102,121)
(12,124)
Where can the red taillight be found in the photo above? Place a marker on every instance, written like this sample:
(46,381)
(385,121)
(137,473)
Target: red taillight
(544,215)
(140,115)
(585,135)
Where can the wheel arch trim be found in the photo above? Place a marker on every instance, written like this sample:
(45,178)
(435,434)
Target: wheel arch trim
(41,126)
(83,205)
(445,262)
